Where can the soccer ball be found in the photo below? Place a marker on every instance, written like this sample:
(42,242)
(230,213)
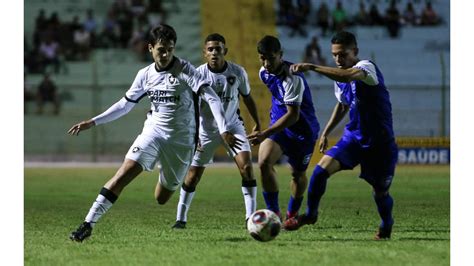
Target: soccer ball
(264,225)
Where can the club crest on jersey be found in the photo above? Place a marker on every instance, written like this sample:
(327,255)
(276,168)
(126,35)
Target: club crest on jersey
(172,80)
(231,80)
(135,149)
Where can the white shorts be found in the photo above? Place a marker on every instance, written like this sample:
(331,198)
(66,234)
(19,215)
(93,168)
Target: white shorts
(174,159)
(208,144)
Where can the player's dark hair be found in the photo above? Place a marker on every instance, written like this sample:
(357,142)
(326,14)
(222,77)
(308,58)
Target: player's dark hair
(214,37)
(162,33)
(345,38)
(268,44)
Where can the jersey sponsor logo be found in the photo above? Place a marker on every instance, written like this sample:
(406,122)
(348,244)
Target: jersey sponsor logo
(159,96)
(135,149)
(231,80)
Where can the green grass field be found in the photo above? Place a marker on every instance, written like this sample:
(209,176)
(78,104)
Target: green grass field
(137,231)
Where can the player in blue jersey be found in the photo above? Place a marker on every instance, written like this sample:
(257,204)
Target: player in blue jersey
(293,129)
(368,138)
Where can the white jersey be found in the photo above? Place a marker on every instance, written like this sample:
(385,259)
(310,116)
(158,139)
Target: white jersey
(227,84)
(173,95)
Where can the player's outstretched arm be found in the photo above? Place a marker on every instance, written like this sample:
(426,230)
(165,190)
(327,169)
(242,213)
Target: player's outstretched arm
(252,107)
(84,125)
(334,73)
(120,108)
(338,113)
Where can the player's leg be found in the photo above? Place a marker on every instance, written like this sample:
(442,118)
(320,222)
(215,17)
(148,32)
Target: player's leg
(268,154)
(318,181)
(378,169)
(107,197)
(186,195)
(202,157)
(298,184)
(249,184)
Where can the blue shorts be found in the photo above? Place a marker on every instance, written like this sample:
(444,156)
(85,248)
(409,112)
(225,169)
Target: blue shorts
(377,162)
(299,151)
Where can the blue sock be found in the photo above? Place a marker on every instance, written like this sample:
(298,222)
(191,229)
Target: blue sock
(271,199)
(316,189)
(385,206)
(293,206)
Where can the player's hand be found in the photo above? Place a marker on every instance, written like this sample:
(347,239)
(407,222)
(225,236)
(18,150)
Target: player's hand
(323,144)
(256,128)
(256,138)
(233,142)
(80,127)
(300,67)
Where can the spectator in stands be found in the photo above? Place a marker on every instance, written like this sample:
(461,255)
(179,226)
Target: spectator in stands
(47,92)
(313,54)
(90,25)
(409,15)
(375,17)
(284,7)
(156,13)
(339,17)
(82,43)
(138,41)
(41,24)
(429,16)
(323,17)
(392,20)
(295,22)
(49,52)
(362,18)
(28,94)
(111,32)
(138,9)
(304,8)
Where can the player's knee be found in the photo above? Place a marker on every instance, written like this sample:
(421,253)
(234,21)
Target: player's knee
(161,201)
(265,165)
(378,193)
(246,170)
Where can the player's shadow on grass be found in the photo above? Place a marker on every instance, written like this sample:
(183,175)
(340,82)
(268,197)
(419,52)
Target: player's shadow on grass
(236,239)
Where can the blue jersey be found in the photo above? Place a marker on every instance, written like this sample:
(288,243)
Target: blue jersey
(370,108)
(292,89)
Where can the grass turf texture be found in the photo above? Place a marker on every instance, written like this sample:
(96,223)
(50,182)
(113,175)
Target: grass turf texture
(137,231)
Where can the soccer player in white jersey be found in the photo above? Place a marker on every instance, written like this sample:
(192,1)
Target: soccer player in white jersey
(169,132)
(229,81)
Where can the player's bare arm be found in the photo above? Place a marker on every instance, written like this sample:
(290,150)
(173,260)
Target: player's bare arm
(291,116)
(337,74)
(252,108)
(84,125)
(338,113)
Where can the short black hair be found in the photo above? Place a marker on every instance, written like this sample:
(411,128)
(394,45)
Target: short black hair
(268,44)
(214,37)
(345,38)
(160,33)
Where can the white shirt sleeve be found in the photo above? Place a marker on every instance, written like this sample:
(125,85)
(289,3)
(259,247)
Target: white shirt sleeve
(339,96)
(192,77)
(294,88)
(115,111)
(215,104)
(369,69)
(244,88)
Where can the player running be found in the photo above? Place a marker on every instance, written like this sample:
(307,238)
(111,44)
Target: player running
(368,138)
(229,81)
(293,127)
(169,132)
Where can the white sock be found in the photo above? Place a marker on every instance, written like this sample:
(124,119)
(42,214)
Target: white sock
(184,203)
(250,199)
(99,207)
